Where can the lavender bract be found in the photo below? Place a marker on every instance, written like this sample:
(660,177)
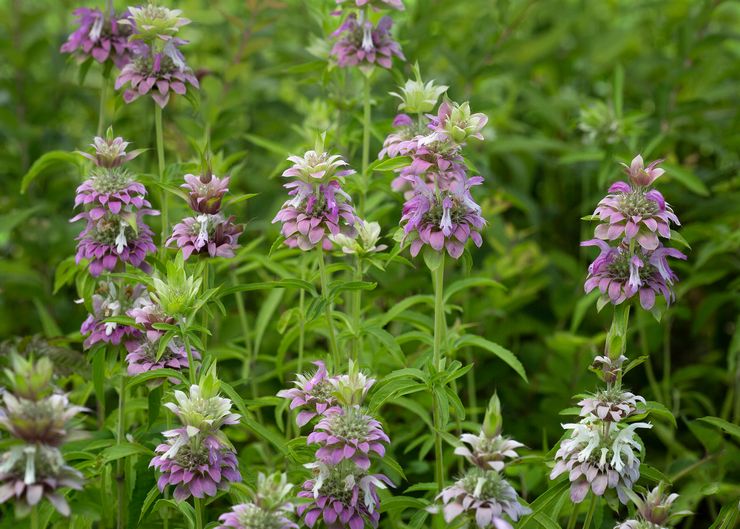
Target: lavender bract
(313,393)
(102,37)
(142,357)
(270,507)
(108,301)
(207,234)
(362,44)
(205,193)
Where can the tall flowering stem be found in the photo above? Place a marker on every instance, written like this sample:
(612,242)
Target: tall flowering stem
(366,119)
(438,274)
(324,278)
(121,463)
(161,167)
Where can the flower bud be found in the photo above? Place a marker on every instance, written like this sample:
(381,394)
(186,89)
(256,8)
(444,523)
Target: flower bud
(178,293)
(156,22)
(493,421)
(351,389)
(417,97)
(28,379)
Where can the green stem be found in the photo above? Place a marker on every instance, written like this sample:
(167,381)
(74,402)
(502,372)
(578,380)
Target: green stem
(439,465)
(667,364)
(198,513)
(654,386)
(366,117)
(189,351)
(591,511)
(438,278)
(329,318)
(120,464)
(301,320)
(160,163)
(244,323)
(616,338)
(101,109)
(35,517)
(573,516)
(204,318)
(357,312)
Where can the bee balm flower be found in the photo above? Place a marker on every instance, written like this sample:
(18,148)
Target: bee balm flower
(102,37)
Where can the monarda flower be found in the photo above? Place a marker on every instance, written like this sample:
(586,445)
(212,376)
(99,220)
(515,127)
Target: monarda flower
(269,508)
(599,455)
(200,410)
(206,234)
(488,452)
(442,220)
(485,496)
(30,473)
(403,140)
(146,314)
(142,356)
(361,44)
(113,239)
(108,301)
(43,421)
(312,393)
(101,37)
(364,242)
(205,193)
(318,207)
(342,496)
(653,510)
(348,434)
(455,123)
(620,273)
(611,405)
(200,467)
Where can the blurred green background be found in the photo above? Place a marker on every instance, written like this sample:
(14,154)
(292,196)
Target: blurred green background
(572,87)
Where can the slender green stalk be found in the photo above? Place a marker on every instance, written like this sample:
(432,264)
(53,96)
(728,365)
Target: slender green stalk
(438,275)
(35,517)
(160,162)
(244,323)
(329,318)
(667,364)
(204,316)
(189,351)
(356,304)
(198,505)
(101,109)
(573,516)
(120,464)
(366,118)
(591,511)
(302,319)
(654,386)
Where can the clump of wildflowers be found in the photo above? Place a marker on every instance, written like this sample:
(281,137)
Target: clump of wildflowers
(38,419)
(158,67)
(312,393)
(115,206)
(632,260)
(318,207)
(102,37)
(268,509)
(108,301)
(482,493)
(197,458)
(653,510)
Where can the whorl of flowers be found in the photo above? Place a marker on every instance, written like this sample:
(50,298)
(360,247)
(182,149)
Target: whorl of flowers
(653,510)
(341,496)
(312,393)
(364,242)
(110,300)
(600,455)
(205,192)
(146,314)
(318,207)
(197,457)
(143,356)
(485,496)
(612,404)
(102,37)
(360,43)
(158,68)
(268,509)
(38,418)
(632,220)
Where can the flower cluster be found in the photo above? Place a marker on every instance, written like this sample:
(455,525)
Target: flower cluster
(197,458)
(653,510)
(632,260)
(102,37)
(482,494)
(342,491)
(364,242)
(359,42)
(157,66)
(208,231)
(115,206)
(38,418)
(269,507)
(108,301)
(319,208)
(439,211)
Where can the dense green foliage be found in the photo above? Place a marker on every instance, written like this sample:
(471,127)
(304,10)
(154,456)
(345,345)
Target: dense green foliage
(571,88)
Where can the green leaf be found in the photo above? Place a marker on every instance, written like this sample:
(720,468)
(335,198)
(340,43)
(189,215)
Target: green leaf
(48,161)
(727,427)
(688,179)
(156,374)
(401,503)
(123,450)
(471,340)
(389,164)
(269,285)
(472,282)
(432,258)
(544,503)
(50,327)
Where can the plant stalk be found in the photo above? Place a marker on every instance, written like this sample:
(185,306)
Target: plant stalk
(366,119)
(120,464)
(591,511)
(101,108)
(160,162)
(189,351)
(357,312)
(438,275)
(35,517)
(198,506)
(329,319)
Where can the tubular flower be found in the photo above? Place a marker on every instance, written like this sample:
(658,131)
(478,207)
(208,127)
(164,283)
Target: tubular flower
(348,434)
(269,508)
(455,123)
(108,301)
(634,213)
(30,473)
(484,496)
(205,193)
(110,151)
(488,452)
(445,220)
(313,394)
(654,510)
(196,469)
(101,37)
(403,140)
(111,239)
(214,235)
(146,314)
(599,455)
(142,356)
(612,405)
(43,421)
(640,175)
(362,44)
(342,496)
(619,274)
